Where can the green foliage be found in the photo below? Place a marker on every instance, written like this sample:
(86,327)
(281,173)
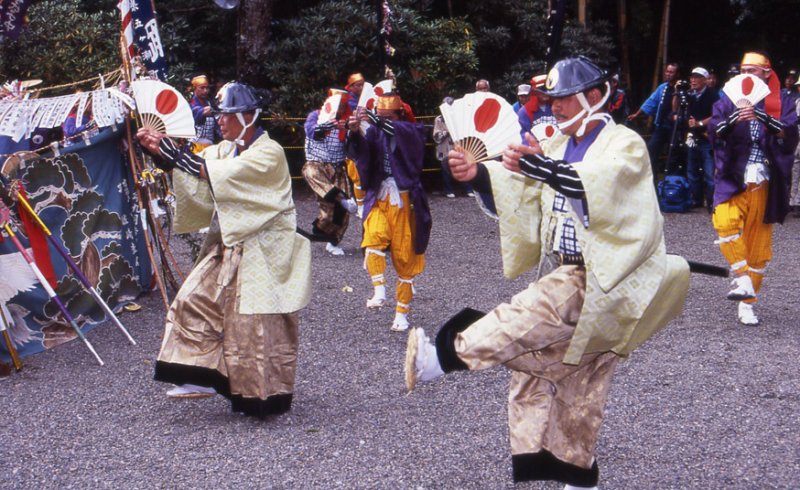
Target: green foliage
(314,51)
(513,41)
(312,47)
(62,44)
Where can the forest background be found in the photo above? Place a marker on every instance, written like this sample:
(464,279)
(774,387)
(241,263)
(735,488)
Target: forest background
(298,49)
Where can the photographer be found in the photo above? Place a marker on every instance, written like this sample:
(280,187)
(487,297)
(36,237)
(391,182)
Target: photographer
(699,157)
(659,105)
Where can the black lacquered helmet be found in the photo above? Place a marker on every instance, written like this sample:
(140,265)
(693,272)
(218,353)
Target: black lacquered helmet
(571,76)
(236,97)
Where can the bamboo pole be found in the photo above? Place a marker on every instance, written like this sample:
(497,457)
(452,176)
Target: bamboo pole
(661,53)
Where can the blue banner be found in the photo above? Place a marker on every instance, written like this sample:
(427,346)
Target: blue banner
(147,38)
(86,198)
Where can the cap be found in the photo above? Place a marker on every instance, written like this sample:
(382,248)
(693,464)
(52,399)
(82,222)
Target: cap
(524,89)
(699,70)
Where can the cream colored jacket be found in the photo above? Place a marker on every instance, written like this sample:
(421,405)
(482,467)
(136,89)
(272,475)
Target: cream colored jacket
(252,196)
(633,287)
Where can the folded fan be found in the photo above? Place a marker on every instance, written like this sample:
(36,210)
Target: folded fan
(369,97)
(330,108)
(746,90)
(163,109)
(481,125)
(544,131)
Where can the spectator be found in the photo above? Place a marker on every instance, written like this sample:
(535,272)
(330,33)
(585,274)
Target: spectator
(523,94)
(659,106)
(482,86)
(700,159)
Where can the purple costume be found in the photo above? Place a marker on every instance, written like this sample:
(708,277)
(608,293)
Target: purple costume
(732,150)
(406,162)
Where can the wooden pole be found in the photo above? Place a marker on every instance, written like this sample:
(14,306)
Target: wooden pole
(661,53)
(622,15)
(582,12)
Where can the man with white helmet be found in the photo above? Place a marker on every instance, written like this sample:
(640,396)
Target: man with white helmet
(233,326)
(581,207)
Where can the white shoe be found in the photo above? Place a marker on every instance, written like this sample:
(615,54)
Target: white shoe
(742,289)
(360,212)
(376,302)
(422,362)
(334,249)
(470,194)
(400,323)
(191,391)
(747,314)
(573,487)
(350,205)
(450,195)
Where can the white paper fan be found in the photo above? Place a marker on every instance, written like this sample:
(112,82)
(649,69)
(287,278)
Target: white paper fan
(163,109)
(330,108)
(383,87)
(370,93)
(746,90)
(367,97)
(544,131)
(481,124)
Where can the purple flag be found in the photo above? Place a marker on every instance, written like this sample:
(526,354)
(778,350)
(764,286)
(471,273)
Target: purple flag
(12,18)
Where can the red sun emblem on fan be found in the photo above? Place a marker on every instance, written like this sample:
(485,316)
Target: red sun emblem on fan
(550,130)
(370,103)
(328,108)
(166,102)
(747,86)
(486,116)
(379,91)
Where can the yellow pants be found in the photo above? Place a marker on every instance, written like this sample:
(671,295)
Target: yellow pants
(391,227)
(352,173)
(744,239)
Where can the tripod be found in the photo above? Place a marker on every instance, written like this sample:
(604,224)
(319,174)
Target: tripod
(676,165)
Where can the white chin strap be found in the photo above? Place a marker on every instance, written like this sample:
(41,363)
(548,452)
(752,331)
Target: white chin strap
(240,118)
(588,111)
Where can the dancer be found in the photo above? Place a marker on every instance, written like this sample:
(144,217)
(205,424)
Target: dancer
(325,173)
(587,214)
(233,326)
(389,158)
(753,156)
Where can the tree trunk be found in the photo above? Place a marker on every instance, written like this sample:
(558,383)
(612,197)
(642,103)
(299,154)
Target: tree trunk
(255,20)
(582,12)
(661,54)
(625,68)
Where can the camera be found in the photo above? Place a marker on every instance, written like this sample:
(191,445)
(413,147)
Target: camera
(681,87)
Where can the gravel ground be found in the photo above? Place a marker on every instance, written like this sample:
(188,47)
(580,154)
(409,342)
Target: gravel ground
(705,404)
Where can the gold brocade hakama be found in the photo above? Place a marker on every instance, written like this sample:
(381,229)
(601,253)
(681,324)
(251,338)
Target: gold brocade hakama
(328,180)
(552,406)
(250,359)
